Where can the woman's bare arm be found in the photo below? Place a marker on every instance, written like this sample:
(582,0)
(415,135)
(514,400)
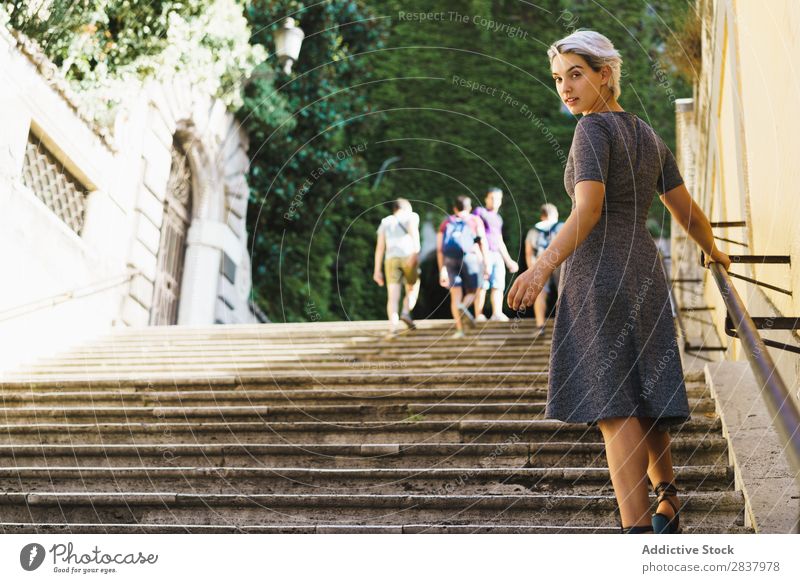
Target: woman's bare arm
(589,197)
(694,221)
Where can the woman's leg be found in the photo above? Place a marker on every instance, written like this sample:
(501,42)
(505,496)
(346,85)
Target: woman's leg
(627,457)
(659,468)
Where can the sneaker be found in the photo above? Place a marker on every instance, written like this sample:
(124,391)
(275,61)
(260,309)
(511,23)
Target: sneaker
(406,318)
(480,318)
(457,334)
(391,335)
(539,332)
(467,315)
(501,317)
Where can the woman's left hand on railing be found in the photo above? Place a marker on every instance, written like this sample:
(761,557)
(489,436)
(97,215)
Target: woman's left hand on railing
(716,256)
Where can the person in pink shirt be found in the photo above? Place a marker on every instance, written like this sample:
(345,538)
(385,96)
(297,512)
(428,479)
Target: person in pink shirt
(497,258)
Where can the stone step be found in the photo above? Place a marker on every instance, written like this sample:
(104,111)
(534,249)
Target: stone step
(415,342)
(319,431)
(321,427)
(349,330)
(178,373)
(711,509)
(354,330)
(348,359)
(285,380)
(296,480)
(419,345)
(442,339)
(702,450)
(452,527)
(436,411)
(312,396)
(420,366)
(469,389)
(205,380)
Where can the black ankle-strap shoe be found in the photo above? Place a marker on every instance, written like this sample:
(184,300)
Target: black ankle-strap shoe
(663,524)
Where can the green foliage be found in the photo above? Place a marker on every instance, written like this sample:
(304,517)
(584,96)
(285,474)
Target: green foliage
(311,248)
(469,102)
(104,46)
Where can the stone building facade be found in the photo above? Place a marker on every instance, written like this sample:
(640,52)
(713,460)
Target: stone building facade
(141,224)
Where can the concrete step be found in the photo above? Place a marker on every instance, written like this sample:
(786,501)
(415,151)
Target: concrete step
(720,510)
(341,360)
(285,381)
(432,347)
(398,396)
(321,428)
(297,480)
(260,393)
(179,373)
(415,341)
(703,450)
(328,330)
(452,527)
(206,380)
(319,431)
(465,369)
(205,412)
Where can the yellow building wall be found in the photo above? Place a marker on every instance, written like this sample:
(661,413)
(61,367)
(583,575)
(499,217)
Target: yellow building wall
(747,154)
(769,46)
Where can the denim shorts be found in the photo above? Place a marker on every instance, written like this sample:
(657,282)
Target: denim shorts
(497,272)
(465,272)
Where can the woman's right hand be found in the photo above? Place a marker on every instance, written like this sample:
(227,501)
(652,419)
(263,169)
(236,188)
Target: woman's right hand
(717,256)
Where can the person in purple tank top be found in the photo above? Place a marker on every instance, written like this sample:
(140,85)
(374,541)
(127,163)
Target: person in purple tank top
(498,257)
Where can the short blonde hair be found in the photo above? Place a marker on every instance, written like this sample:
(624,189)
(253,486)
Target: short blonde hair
(596,49)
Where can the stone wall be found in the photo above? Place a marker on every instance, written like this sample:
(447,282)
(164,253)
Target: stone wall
(65,283)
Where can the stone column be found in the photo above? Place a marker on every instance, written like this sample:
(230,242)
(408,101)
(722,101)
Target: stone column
(205,243)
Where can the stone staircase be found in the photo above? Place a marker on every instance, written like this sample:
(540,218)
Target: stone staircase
(322,427)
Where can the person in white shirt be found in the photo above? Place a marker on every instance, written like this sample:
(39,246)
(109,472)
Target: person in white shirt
(398,249)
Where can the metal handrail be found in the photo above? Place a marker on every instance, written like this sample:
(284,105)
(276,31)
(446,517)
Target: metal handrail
(676,313)
(784,410)
(79,292)
(676,309)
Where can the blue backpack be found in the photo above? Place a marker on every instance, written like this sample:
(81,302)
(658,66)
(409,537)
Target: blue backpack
(458,238)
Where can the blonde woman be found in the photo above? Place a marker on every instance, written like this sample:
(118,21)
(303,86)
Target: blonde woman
(614,360)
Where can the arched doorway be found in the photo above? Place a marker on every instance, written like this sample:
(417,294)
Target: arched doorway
(172,247)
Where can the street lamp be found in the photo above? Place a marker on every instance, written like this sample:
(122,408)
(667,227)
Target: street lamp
(288,39)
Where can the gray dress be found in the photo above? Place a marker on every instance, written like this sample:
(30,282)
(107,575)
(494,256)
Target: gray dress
(614,351)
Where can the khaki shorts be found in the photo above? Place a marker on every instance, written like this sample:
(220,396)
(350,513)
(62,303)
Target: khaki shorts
(397,270)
